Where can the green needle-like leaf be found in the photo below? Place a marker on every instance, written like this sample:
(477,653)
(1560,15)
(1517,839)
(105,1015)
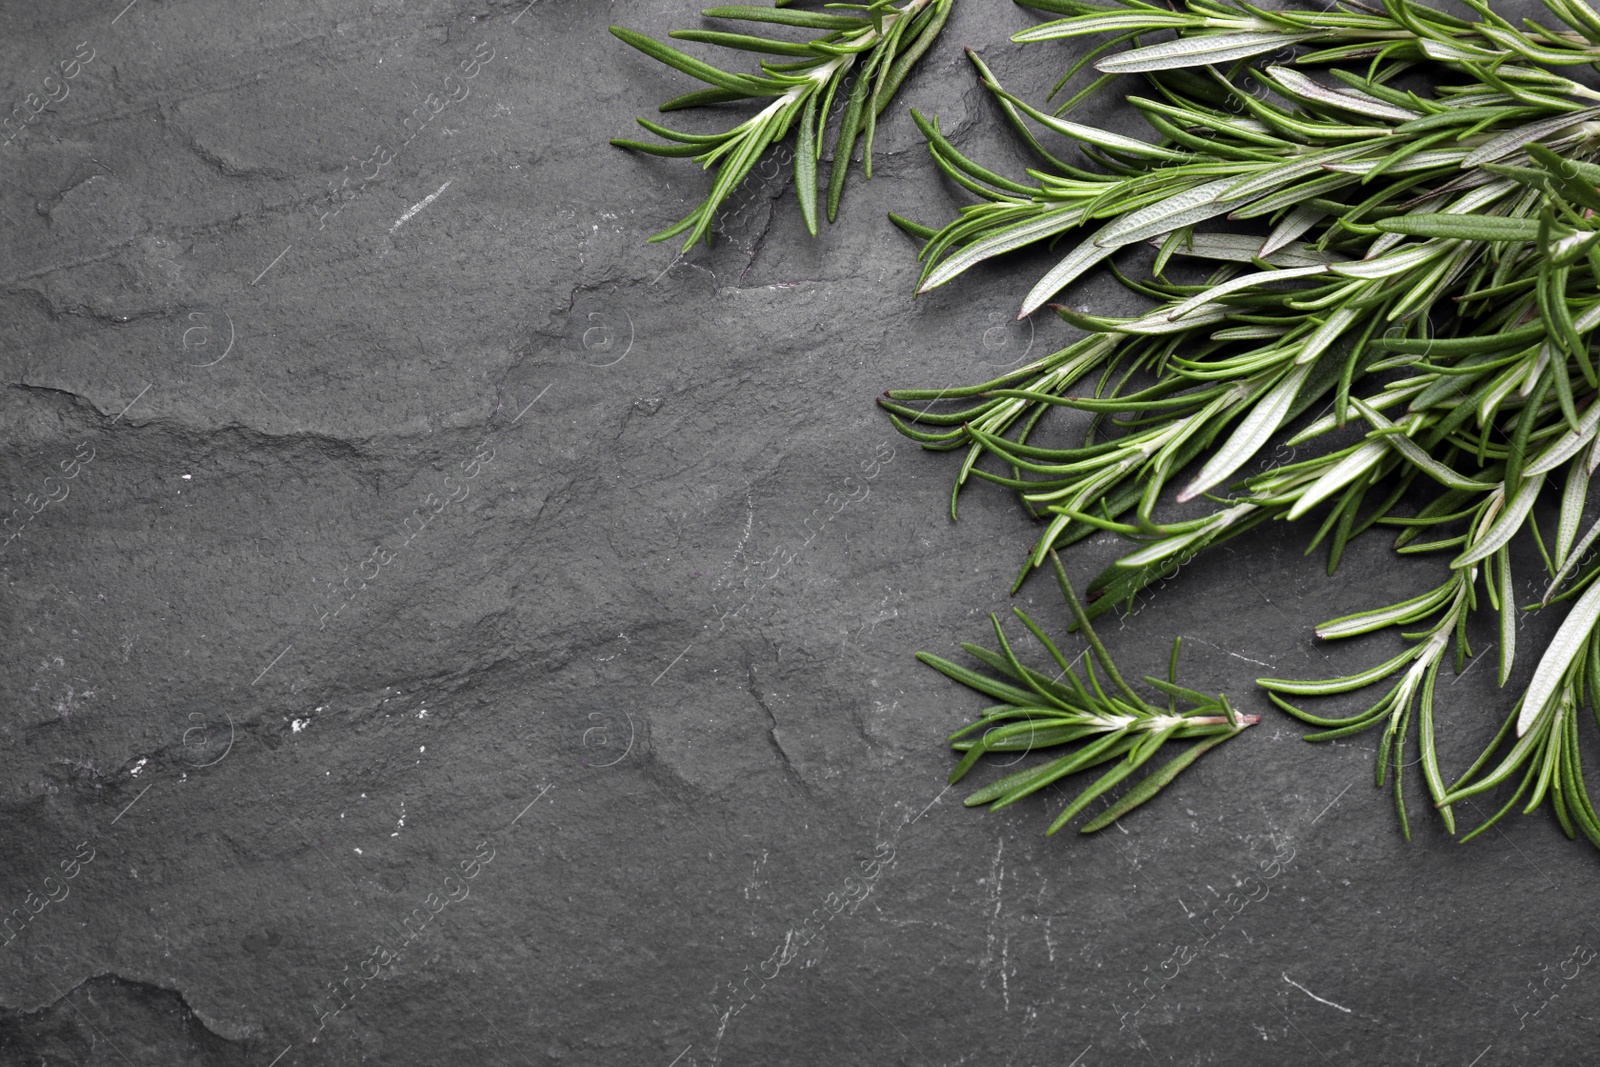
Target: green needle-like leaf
(1462,227)
(1152,784)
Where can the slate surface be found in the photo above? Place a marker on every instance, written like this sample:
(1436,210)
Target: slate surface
(470,634)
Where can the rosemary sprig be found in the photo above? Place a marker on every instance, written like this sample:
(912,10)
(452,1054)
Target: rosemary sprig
(1118,727)
(1222,32)
(877,47)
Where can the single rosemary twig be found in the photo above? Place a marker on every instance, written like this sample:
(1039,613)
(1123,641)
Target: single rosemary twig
(865,55)
(1119,728)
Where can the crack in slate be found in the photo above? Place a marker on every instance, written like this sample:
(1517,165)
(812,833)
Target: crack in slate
(776,745)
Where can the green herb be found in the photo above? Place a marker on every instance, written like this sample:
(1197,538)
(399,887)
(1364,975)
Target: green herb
(876,47)
(1375,286)
(1117,727)
(1419,265)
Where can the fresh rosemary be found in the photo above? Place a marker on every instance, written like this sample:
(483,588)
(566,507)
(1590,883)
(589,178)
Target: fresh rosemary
(876,47)
(1119,727)
(1413,249)
(1394,215)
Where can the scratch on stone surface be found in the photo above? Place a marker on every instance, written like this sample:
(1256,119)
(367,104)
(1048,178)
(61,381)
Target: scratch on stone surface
(997,878)
(132,402)
(274,662)
(722,1028)
(744,535)
(1313,996)
(755,871)
(532,402)
(749,524)
(1235,655)
(675,261)
(1331,803)
(925,810)
(132,802)
(1475,661)
(531,803)
(1032,1017)
(411,211)
(1005,962)
(674,662)
(274,263)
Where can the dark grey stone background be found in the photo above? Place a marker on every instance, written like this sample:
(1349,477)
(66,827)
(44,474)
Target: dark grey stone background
(592,666)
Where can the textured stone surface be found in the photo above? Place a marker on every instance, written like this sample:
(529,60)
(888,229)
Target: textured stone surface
(578,769)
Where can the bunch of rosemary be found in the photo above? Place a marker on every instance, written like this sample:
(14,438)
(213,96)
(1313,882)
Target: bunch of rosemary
(1395,217)
(1413,251)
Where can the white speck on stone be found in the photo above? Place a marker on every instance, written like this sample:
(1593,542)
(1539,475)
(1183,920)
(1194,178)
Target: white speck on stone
(357,851)
(299,724)
(137,767)
(186,477)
